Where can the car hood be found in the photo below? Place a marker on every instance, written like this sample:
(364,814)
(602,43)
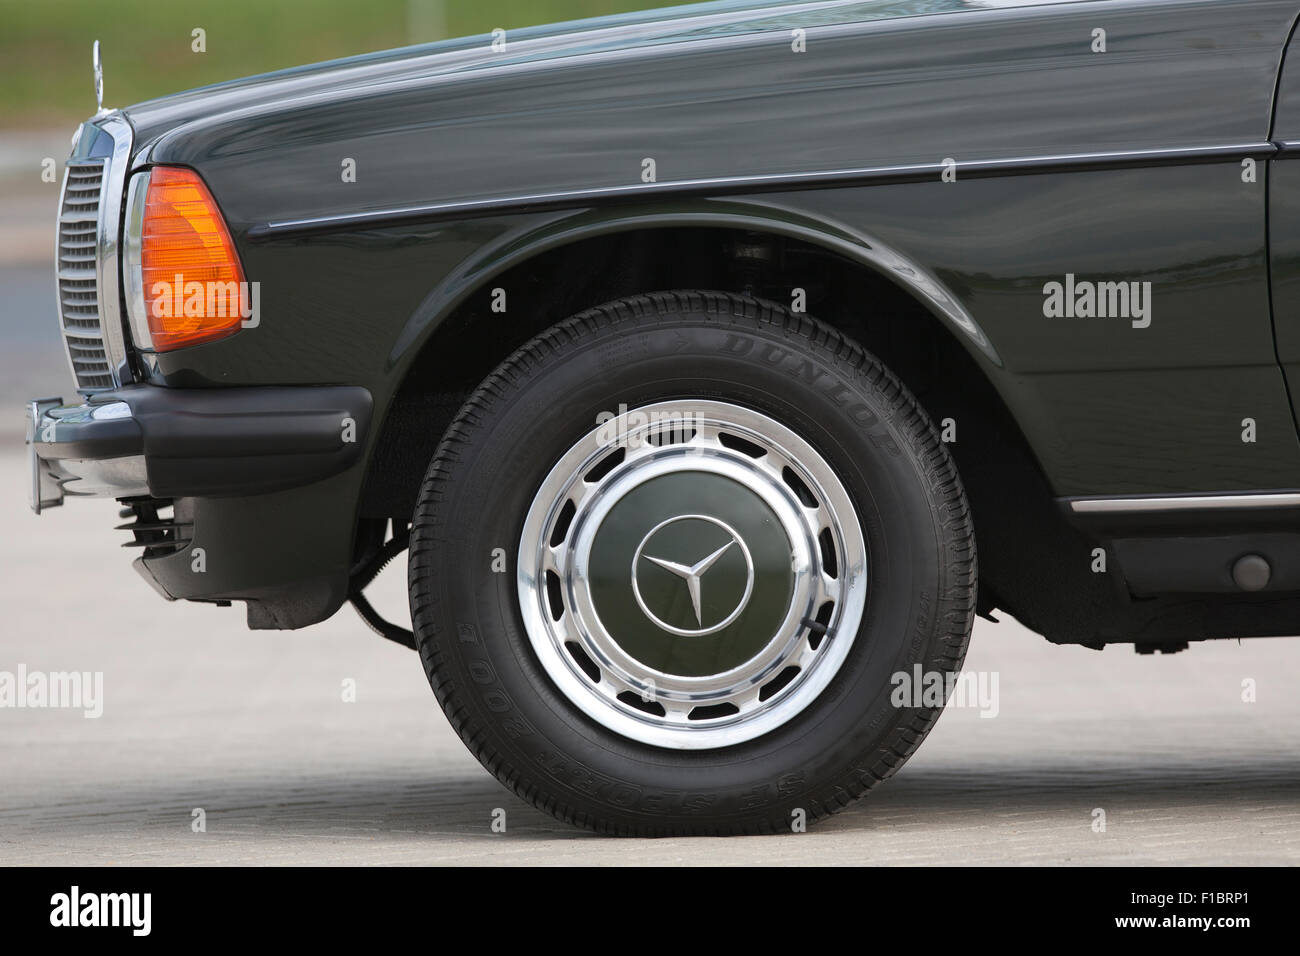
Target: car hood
(464,57)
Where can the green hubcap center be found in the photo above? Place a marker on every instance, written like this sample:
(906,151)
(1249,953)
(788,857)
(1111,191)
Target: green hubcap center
(690,574)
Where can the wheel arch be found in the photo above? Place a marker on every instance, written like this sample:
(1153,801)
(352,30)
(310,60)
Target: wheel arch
(478,272)
(573,261)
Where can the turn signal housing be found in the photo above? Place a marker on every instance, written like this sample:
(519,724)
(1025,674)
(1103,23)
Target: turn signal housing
(191,281)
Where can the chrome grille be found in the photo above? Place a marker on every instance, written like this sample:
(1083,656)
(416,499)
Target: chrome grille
(90,222)
(83,333)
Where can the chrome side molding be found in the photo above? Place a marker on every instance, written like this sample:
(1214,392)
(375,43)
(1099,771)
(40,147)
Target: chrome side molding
(772,182)
(1159,503)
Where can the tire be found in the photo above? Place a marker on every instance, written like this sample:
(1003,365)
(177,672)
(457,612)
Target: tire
(829,428)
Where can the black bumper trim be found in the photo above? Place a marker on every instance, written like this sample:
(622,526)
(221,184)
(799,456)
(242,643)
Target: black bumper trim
(220,442)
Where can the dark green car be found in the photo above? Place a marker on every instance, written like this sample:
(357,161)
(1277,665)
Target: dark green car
(696,354)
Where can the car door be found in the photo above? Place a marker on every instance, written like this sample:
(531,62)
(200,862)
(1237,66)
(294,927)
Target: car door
(1284,220)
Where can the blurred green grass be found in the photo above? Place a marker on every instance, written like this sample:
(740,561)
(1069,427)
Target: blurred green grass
(45,73)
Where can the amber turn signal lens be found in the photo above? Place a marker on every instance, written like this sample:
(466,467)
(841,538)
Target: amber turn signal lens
(193,284)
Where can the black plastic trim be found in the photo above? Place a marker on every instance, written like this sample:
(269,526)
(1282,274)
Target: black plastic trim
(223,442)
(1204,564)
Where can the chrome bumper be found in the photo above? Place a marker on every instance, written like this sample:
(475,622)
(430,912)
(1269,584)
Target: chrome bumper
(64,461)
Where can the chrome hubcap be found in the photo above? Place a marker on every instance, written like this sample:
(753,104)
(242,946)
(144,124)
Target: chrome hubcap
(691,575)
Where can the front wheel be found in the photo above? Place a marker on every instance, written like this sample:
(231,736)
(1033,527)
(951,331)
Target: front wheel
(669,558)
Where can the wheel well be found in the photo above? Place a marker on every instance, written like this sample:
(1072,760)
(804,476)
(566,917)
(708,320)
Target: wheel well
(1015,516)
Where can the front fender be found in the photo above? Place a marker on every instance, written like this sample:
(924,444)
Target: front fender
(511,248)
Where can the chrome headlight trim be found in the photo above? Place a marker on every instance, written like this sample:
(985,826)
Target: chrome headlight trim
(107,263)
(132,275)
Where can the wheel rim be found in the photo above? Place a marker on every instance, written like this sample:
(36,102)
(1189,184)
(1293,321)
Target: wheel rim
(691,575)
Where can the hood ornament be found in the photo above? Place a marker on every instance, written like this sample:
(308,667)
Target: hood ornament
(99,79)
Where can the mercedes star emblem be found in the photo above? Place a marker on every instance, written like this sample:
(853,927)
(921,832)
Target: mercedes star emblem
(693,575)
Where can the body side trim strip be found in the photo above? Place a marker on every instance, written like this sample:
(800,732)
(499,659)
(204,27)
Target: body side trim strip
(1226,502)
(730,185)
